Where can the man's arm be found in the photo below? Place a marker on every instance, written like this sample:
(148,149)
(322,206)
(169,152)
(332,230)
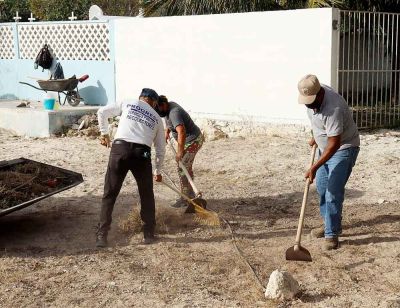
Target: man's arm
(180,129)
(103,114)
(331,148)
(159,145)
(167,132)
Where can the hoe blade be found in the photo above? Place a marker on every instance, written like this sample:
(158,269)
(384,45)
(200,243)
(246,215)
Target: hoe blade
(298,253)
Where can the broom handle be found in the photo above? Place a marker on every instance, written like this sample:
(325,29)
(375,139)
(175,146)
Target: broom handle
(180,193)
(182,166)
(304,203)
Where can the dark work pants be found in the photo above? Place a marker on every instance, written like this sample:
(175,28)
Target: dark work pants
(137,159)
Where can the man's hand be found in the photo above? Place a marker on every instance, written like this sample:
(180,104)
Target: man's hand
(158,178)
(179,156)
(105,141)
(167,137)
(312,142)
(310,174)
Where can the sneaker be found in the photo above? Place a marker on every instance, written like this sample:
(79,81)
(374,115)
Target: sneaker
(318,232)
(331,243)
(179,204)
(101,240)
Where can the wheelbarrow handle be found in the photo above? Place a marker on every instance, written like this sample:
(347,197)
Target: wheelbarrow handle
(83,78)
(28,84)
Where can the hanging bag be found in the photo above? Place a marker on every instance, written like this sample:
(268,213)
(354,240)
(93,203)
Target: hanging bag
(44,59)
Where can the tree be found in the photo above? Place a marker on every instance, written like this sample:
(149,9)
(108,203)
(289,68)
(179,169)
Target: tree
(59,9)
(301,4)
(374,5)
(53,10)
(8,8)
(198,7)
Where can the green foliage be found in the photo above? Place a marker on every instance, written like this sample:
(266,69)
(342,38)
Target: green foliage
(61,9)
(192,7)
(374,5)
(8,8)
(51,10)
(198,7)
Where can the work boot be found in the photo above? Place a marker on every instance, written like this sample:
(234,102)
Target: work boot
(179,203)
(190,209)
(148,238)
(331,243)
(318,232)
(101,240)
(101,237)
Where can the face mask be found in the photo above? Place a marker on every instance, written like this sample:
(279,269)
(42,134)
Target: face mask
(160,112)
(315,105)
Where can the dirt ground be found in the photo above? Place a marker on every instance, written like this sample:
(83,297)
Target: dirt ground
(48,259)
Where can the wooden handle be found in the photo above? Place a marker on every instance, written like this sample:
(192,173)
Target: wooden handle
(304,203)
(180,193)
(182,166)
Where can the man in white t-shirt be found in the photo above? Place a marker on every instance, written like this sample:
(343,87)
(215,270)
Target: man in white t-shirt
(140,126)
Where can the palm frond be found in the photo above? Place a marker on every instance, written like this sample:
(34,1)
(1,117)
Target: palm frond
(325,3)
(200,7)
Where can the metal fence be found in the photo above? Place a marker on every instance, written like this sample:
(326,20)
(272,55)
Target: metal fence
(369,67)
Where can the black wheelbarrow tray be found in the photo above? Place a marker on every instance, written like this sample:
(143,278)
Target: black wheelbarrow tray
(53,180)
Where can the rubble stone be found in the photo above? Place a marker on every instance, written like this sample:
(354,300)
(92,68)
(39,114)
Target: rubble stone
(281,286)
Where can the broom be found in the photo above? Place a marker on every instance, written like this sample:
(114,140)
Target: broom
(203,216)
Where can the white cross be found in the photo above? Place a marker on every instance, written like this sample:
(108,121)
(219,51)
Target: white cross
(73,17)
(31,19)
(17,17)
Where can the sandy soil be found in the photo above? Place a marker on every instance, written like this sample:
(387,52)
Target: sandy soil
(47,255)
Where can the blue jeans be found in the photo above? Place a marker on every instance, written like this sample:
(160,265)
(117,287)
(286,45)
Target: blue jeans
(331,179)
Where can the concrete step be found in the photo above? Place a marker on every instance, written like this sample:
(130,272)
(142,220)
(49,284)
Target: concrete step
(38,122)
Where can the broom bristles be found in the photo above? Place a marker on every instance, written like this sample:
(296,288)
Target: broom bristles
(206,217)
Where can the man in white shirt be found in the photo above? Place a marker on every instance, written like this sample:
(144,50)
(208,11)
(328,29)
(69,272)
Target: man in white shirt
(140,126)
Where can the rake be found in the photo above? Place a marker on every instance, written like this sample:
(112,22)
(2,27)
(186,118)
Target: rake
(203,216)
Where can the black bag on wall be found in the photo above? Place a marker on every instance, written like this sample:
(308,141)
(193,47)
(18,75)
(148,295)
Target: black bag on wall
(44,58)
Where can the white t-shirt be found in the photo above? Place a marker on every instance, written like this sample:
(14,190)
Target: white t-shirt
(139,123)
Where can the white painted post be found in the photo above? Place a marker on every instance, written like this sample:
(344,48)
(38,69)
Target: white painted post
(73,17)
(335,49)
(31,19)
(17,17)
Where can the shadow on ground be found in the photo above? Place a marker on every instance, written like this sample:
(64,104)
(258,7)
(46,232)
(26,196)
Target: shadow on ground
(66,225)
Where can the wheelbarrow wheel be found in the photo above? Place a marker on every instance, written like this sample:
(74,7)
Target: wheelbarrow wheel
(73,98)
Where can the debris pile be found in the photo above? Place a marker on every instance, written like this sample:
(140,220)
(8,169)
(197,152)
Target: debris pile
(167,221)
(87,126)
(28,181)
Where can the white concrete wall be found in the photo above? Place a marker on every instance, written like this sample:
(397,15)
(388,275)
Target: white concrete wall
(234,66)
